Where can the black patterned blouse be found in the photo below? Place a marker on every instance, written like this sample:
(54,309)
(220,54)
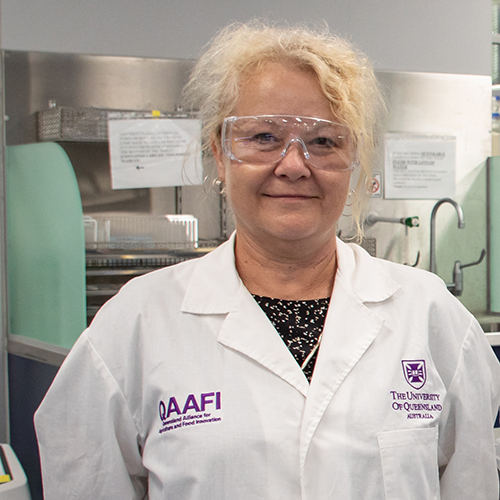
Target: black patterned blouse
(300,325)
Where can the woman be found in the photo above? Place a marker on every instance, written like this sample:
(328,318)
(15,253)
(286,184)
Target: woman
(285,364)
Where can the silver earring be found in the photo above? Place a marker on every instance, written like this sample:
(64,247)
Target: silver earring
(351,194)
(219,187)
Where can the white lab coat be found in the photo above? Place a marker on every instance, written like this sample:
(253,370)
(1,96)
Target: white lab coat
(182,390)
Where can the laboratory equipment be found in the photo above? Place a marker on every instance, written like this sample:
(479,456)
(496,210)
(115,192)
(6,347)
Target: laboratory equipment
(372,218)
(45,243)
(121,246)
(457,286)
(13,482)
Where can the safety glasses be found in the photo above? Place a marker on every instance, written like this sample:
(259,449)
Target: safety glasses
(266,139)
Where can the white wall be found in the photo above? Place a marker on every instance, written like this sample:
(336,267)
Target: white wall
(449,36)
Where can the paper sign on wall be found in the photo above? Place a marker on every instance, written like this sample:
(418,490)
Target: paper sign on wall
(155,152)
(419,166)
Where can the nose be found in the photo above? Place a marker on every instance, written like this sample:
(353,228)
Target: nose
(293,164)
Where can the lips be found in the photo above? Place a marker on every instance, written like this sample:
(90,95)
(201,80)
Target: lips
(290,195)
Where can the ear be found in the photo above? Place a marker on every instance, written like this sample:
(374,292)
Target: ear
(219,159)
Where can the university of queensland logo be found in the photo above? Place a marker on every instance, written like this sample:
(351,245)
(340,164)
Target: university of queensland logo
(415,373)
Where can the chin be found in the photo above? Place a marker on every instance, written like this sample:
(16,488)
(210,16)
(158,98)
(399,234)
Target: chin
(297,234)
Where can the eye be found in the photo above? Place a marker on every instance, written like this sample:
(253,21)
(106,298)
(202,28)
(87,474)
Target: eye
(260,140)
(264,138)
(325,142)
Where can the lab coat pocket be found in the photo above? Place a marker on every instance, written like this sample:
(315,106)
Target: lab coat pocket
(410,464)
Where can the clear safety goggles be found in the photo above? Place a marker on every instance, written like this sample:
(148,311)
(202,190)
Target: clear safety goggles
(266,139)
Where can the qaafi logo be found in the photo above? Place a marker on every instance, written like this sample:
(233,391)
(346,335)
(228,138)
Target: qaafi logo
(415,373)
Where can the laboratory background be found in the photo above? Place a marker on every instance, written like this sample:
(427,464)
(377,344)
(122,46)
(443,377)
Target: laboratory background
(79,215)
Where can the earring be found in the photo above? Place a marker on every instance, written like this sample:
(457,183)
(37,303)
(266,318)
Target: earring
(219,187)
(351,194)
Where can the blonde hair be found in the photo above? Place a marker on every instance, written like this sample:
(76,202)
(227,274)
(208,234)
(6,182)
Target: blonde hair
(345,77)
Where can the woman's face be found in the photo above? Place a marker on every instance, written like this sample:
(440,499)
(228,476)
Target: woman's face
(289,200)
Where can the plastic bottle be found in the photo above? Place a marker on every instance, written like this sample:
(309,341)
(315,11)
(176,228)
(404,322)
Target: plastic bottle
(495,113)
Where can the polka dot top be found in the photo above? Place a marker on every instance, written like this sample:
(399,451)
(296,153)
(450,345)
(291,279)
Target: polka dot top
(299,323)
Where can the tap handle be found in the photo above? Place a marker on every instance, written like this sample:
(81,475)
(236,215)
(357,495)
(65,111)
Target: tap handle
(481,257)
(457,287)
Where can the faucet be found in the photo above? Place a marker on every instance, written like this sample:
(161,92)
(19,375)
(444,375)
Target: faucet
(457,287)
(461,225)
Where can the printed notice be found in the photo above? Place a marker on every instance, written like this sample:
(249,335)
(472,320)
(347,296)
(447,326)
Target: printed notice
(155,152)
(419,167)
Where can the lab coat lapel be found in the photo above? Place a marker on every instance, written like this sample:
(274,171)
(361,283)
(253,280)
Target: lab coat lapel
(215,288)
(350,328)
(249,331)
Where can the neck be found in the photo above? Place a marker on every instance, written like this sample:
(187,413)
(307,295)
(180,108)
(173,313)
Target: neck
(302,272)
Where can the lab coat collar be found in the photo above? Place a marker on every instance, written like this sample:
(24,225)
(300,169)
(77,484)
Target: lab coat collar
(363,275)
(215,285)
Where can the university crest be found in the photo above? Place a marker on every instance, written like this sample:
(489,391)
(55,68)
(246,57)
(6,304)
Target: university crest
(415,373)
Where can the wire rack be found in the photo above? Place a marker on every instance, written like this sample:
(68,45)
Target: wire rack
(73,124)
